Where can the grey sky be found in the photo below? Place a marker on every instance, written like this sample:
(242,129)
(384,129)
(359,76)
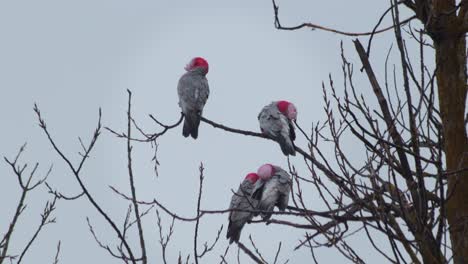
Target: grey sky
(74,57)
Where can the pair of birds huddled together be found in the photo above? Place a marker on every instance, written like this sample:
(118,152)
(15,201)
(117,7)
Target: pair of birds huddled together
(260,192)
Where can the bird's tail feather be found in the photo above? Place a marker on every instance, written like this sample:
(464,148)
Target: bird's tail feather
(191,124)
(287,146)
(233,232)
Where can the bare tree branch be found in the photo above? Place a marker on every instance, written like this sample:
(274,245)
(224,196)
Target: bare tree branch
(76,173)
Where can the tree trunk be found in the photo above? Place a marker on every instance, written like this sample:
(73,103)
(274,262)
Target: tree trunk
(452,87)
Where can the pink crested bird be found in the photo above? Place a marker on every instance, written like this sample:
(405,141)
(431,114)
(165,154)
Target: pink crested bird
(241,200)
(193,92)
(276,122)
(272,189)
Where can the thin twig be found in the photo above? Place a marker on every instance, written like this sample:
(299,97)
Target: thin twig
(132,184)
(195,236)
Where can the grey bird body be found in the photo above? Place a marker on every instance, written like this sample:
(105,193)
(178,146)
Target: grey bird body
(273,192)
(277,127)
(193,93)
(240,200)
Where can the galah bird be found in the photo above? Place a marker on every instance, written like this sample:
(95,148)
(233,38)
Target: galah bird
(272,189)
(241,200)
(276,123)
(193,92)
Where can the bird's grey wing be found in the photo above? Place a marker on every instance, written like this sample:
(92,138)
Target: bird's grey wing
(276,126)
(235,201)
(269,194)
(269,199)
(184,91)
(235,224)
(258,189)
(204,91)
(240,204)
(283,127)
(193,92)
(283,188)
(273,122)
(240,200)
(283,176)
(283,197)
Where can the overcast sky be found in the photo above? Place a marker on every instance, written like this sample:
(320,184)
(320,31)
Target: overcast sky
(72,57)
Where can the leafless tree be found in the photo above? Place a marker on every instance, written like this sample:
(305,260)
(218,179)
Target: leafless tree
(408,189)
(26,185)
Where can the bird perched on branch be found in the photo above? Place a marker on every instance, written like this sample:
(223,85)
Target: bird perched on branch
(272,189)
(276,122)
(193,92)
(241,200)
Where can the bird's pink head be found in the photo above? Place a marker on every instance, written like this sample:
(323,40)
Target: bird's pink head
(266,171)
(196,63)
(252,177)
(288,109)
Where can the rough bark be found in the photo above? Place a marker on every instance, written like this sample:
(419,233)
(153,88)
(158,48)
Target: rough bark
(452,87)
(450,46)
